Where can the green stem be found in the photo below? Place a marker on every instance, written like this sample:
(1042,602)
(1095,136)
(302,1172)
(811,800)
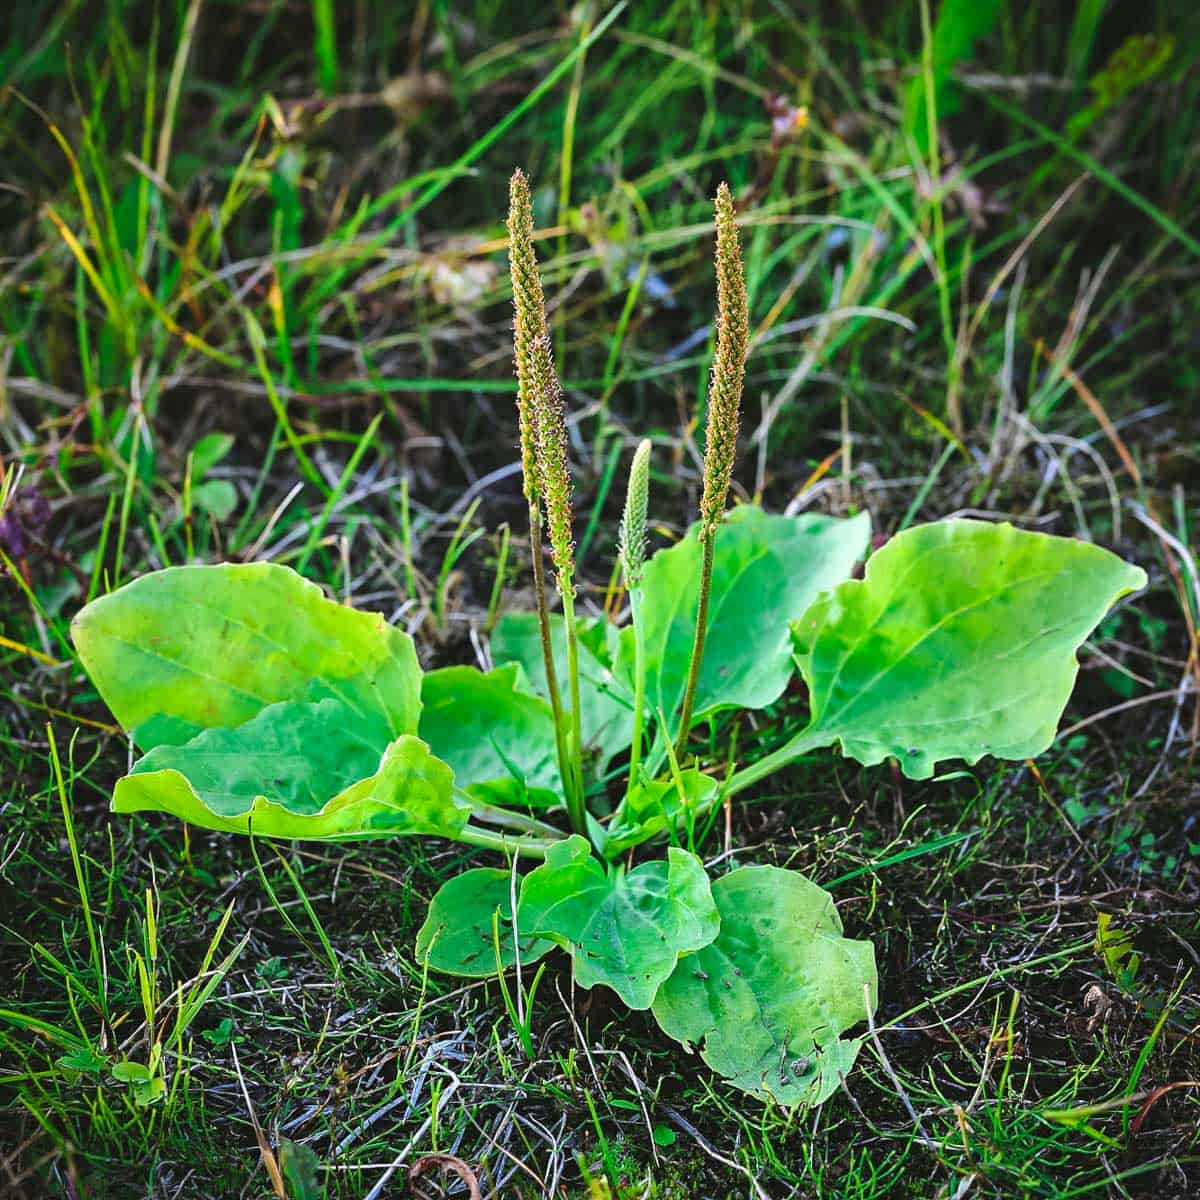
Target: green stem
(578,814)
(527,847)
(639,685)
(689,696)
(495,815)
(543,615)
(797,747)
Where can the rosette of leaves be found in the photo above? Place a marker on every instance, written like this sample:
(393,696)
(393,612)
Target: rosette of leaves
(261,706)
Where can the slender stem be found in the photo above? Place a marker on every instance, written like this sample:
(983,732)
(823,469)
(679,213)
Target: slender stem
(527,847)
(543,615)
(639,686)
(579,814)
(495,815)
(797,747)
(689,696)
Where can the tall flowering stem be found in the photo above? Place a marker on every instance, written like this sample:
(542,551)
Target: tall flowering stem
(529,325)
(721,430)
(555,484)
(632,553)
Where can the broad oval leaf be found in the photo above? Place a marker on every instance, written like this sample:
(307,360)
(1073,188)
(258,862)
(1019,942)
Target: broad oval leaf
(959,642)
(768,1000)
(409,791)
(767,570)
(625,930)
(499,740)
(606,706)
(195,647)
(457,937)
(296,754)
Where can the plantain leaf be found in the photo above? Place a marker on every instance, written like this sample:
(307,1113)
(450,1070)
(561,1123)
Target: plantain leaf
(499,741)
(265,707)
(457,936)
(766,571)
(959,642)
(606,705)
(626,930)
(296,754)
(274,776)
(768,1000)
(195,647)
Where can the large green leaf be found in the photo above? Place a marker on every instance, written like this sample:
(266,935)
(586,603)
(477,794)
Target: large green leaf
(606,705)
(768,1000)
(201,646)
(626,930)
(767,570)
(500,741)
(274,776)
(265,707)
(959,642)
(296,754)
(457,937)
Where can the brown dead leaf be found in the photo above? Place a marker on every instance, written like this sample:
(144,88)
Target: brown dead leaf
(442,1164)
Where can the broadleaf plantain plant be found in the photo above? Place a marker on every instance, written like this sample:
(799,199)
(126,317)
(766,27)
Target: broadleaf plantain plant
(262,707)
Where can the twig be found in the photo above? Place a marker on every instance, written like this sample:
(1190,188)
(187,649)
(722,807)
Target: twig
(873,1034)
(398,1161)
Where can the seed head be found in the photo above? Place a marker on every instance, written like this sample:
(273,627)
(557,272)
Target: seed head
(529,322)
(632,537)
(554,475)
(729,368)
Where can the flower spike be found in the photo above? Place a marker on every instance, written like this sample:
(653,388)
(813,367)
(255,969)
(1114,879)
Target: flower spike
(536,381)
(554,476)
(720,434)
(631,542)
(529,322)
(729,368)
(631,546)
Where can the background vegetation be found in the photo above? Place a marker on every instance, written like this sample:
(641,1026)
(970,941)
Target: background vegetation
(253,304)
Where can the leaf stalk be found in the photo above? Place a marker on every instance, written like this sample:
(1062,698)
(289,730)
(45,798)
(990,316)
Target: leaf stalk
(639,687)
(793,749)
(689,695)
(543,615)
(507,818)
(504,843)
(578,811)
